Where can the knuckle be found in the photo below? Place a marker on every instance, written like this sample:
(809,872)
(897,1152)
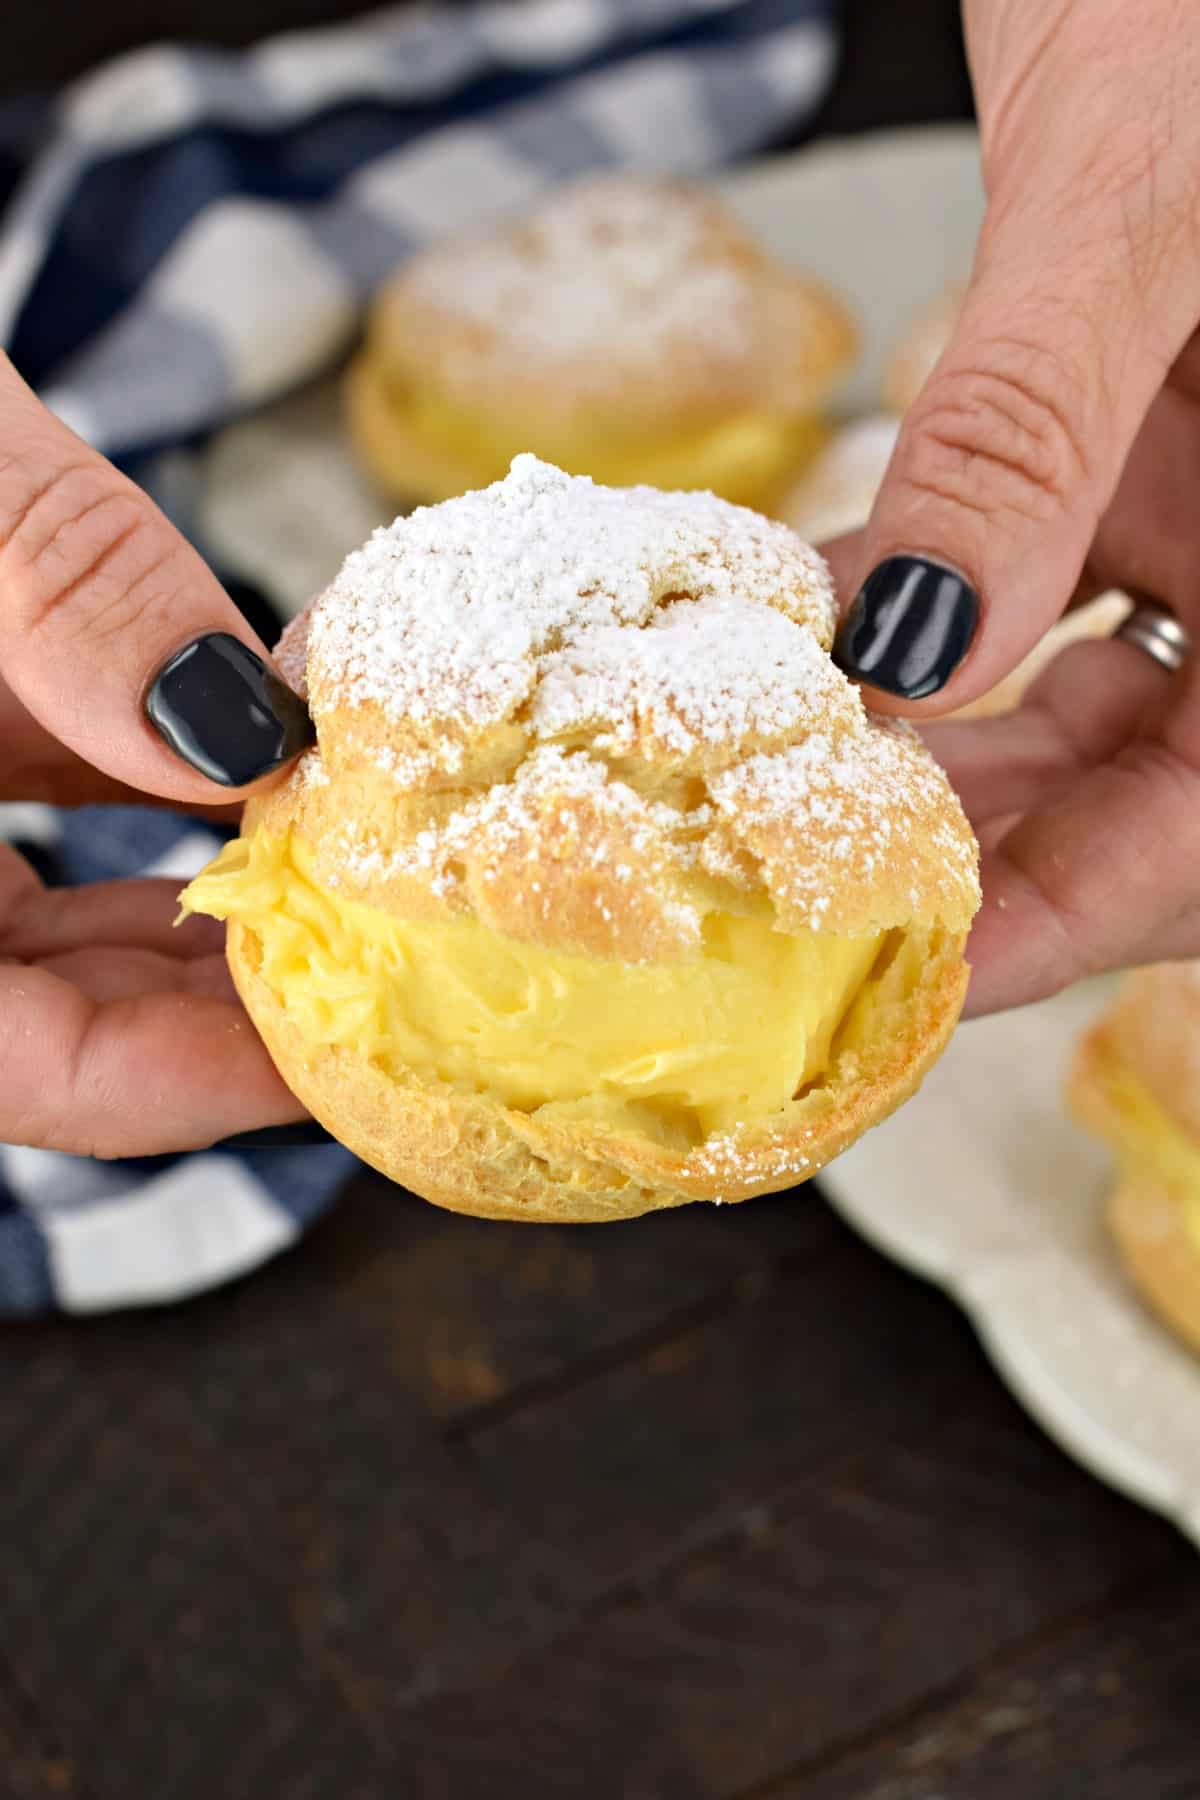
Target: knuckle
(78,553)
(999,438)
(37,505)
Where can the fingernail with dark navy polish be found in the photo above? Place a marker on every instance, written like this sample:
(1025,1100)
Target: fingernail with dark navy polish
(910,626)
(222,710)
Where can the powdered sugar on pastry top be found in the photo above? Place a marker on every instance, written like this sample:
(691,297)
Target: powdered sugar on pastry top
(615,610)
(717,673)
(873,799)
(603,265)
(635,308)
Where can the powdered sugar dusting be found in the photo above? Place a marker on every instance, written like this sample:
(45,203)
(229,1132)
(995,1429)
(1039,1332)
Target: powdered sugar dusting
(450,618)
(717,672)
(728,1157)
(604,266)
(871,798)
(310,772)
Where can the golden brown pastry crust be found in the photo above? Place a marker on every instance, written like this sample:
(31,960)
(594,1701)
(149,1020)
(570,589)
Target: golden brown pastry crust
(1153,1028)
(1147,1220)
(622,312)
(1158,1251)
(470,1154)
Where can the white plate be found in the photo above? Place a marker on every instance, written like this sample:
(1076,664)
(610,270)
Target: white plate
(981,1183)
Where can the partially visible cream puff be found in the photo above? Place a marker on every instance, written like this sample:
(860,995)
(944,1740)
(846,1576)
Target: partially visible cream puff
(1136,1083)
(836,493)
(601,891)
(626,329)
(919,348)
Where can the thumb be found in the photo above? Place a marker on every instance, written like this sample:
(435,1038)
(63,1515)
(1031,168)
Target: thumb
(114,634)
(1011,453)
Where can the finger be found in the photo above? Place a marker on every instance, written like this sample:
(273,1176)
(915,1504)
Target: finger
(1096,879)
(140,1077)
(114,914)
(20,884)
(1149,539)
(113,633)
(108,975)
(1086,704)
(35,766)
(1085,288)
(844,555)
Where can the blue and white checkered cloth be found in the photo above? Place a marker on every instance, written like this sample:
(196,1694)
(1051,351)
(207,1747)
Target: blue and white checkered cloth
(191,234)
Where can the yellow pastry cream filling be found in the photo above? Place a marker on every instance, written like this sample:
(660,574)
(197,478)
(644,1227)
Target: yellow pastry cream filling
(1144,1134)
(696,1046)
(746,459)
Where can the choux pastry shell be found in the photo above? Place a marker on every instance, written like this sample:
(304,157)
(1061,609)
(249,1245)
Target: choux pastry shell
(601,891)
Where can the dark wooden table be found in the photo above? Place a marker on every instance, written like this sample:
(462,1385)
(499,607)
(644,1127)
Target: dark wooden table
(713,1506)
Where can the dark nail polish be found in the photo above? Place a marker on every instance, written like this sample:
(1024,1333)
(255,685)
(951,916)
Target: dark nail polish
(278,1137)
(910,626)
(225,712)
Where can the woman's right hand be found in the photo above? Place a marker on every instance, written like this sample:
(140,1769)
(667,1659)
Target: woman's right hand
(1055,449)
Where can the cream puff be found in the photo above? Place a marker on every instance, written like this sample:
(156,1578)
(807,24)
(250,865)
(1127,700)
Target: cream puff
(600,891)
(1136,1083)
(626,329)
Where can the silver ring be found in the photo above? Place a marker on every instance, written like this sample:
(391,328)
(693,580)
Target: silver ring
(1158,632)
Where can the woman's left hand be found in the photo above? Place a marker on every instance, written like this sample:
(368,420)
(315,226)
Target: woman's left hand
(119,1035)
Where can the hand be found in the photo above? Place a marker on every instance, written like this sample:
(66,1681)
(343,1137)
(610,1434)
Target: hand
(118,1034)
(1055,451)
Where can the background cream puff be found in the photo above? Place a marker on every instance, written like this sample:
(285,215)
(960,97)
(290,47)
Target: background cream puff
(1136,1083)
(626,328)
